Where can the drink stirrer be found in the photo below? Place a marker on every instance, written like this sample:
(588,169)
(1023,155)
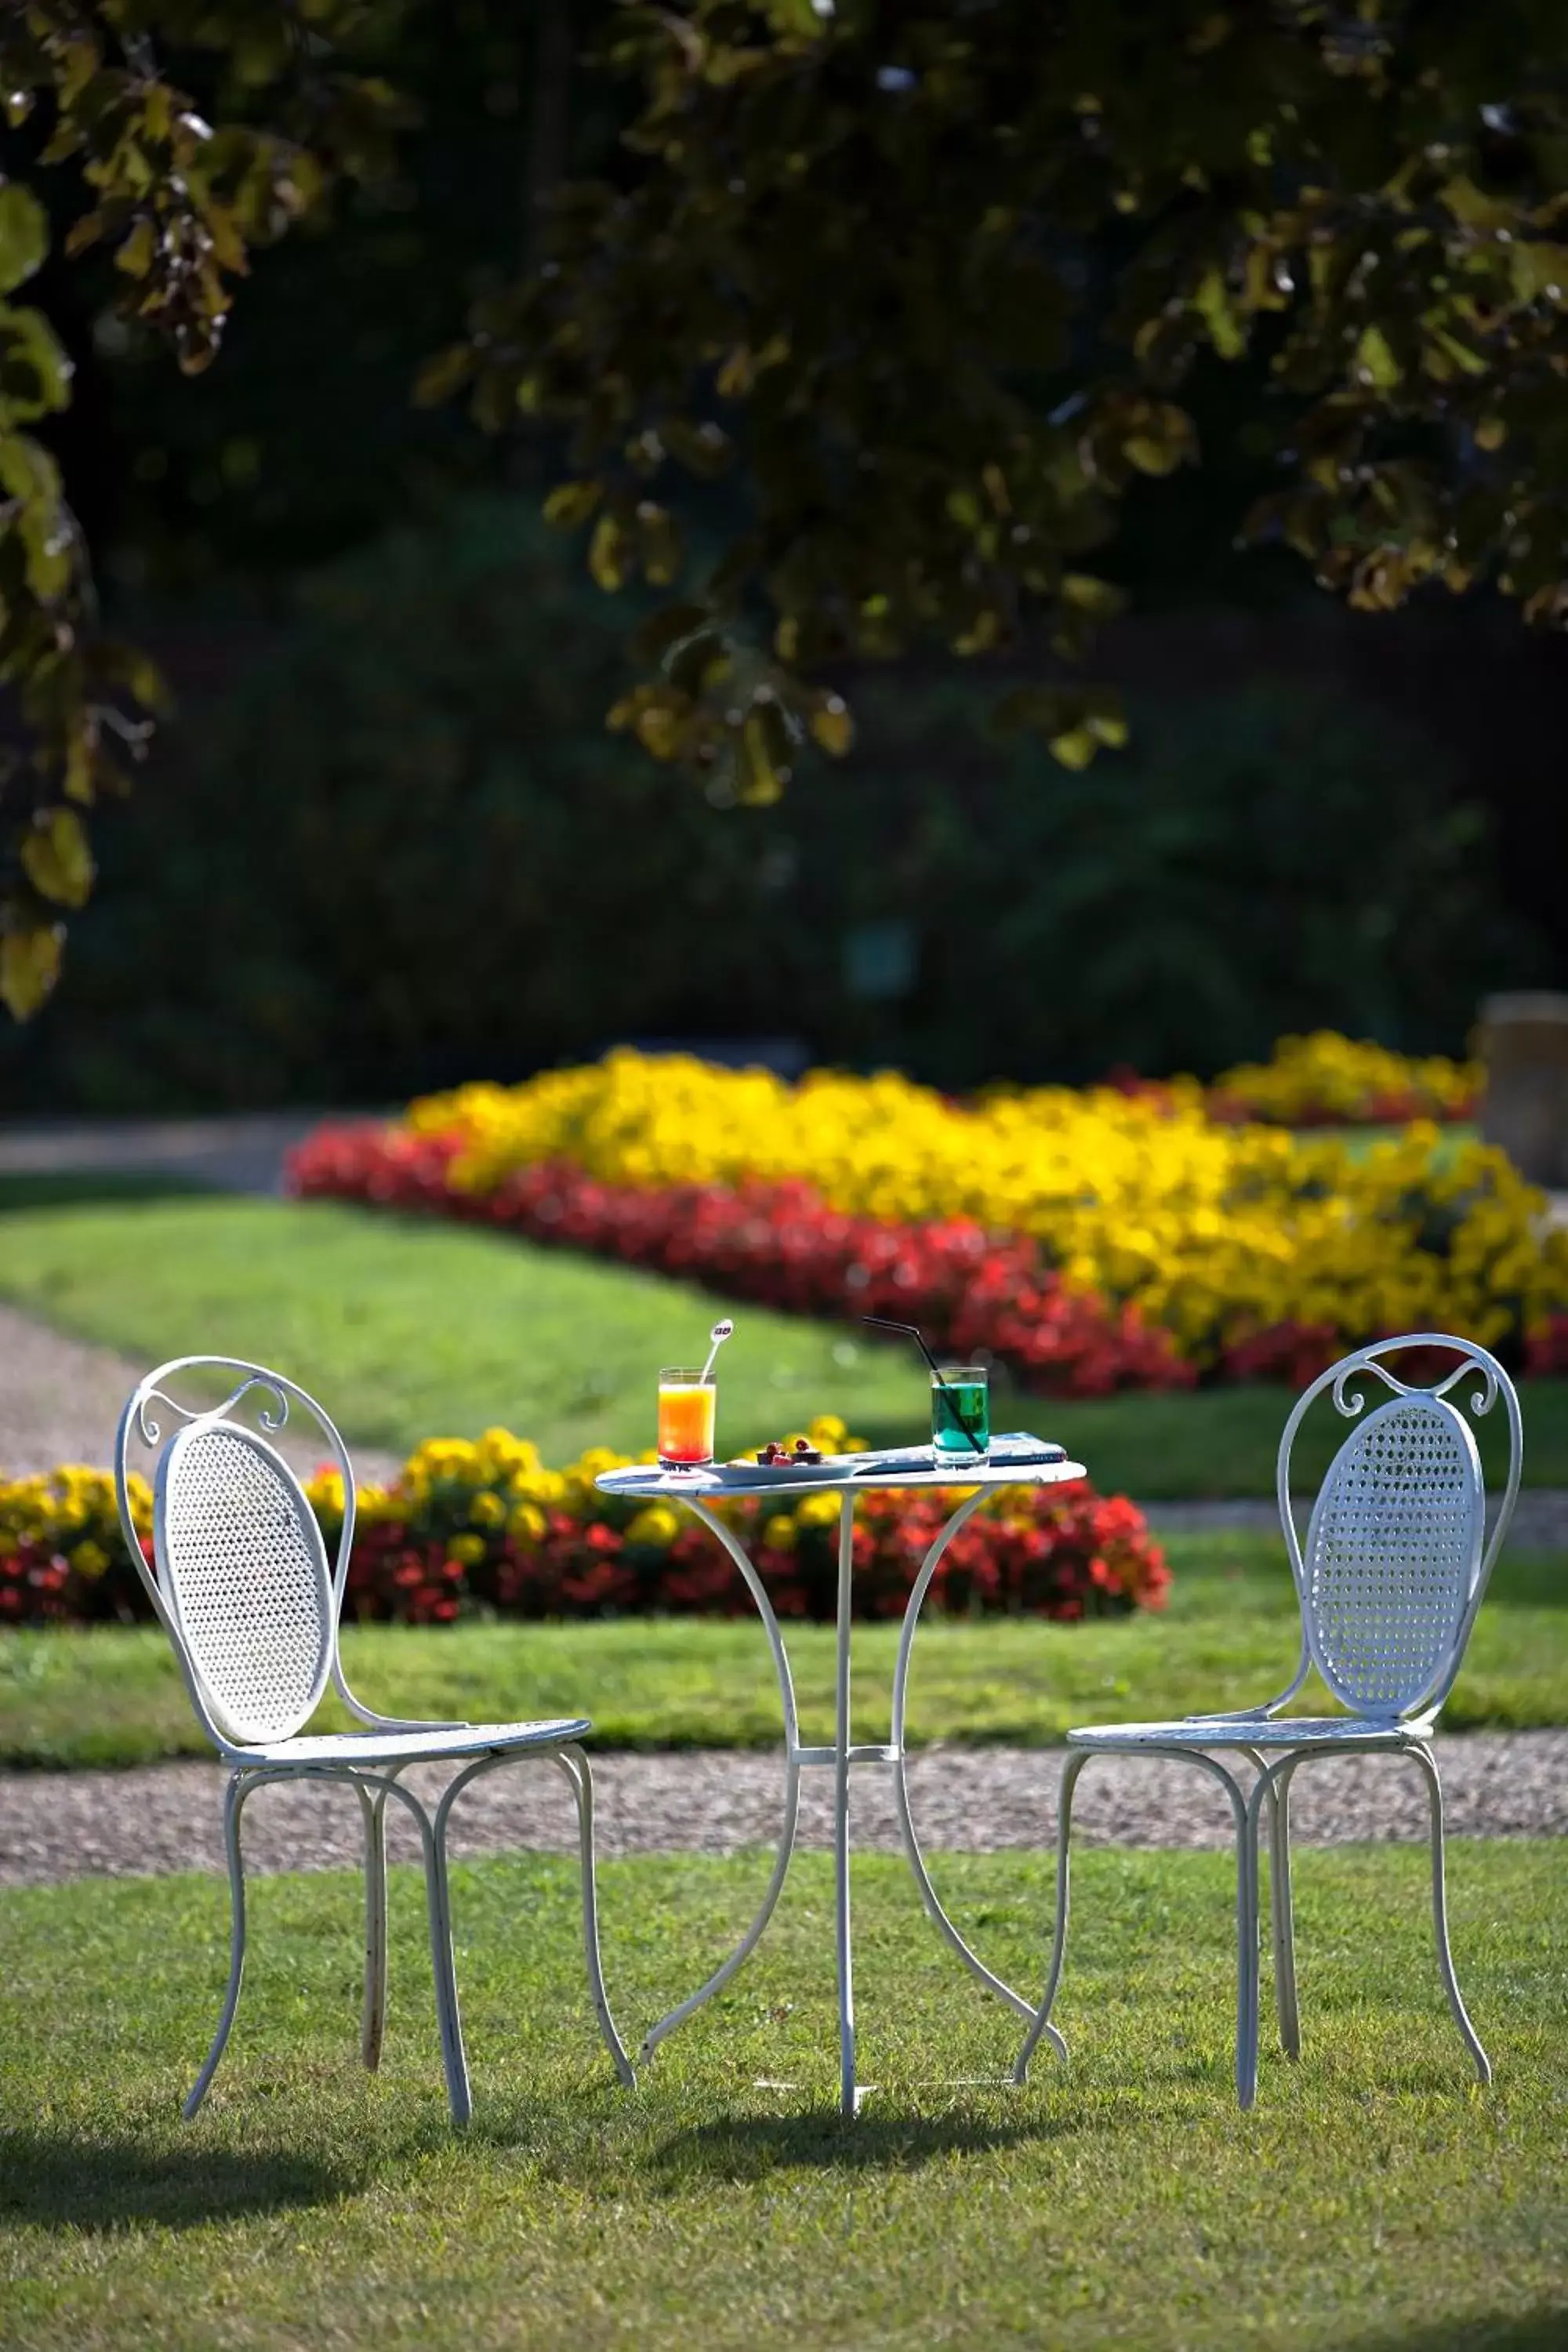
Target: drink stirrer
(912,1331)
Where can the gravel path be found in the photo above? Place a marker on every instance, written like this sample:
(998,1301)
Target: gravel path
(167,1818)
(61,1402)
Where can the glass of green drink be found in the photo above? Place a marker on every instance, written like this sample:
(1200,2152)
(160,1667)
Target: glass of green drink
(961,1415)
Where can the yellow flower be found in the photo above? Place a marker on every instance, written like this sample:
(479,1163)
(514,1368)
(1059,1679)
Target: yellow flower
(89,1559)
(1213,1232)
(487,1510)
(658,1523)
(596,1459)
(1346,1079)
(470,1550)
(778,1533)
(816,1510)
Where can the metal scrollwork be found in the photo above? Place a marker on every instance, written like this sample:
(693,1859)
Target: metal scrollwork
(1473,1363)
(272,1418)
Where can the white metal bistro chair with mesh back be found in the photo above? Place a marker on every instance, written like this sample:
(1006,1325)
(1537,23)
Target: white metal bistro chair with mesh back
(241,1586)
(1395,1562)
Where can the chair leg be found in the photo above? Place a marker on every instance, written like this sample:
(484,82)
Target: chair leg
(1247,1826)
(373,2028)
(439,1902)
(1075,1761)
(1282,1912)
(1424,1758)
(575,1764)
(233,1802)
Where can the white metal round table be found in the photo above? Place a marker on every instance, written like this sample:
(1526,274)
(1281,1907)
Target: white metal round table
(696,1491)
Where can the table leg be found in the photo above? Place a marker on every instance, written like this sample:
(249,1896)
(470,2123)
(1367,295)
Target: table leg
(847,2094)
(912,1854)
(722,1974)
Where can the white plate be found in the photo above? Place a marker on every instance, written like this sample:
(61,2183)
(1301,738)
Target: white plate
(783,1473)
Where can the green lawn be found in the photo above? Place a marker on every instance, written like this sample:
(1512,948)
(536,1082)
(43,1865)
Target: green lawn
(1374,2199)
(108,1695)
(409,1329)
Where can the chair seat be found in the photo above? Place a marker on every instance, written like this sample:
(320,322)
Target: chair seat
(412,1747)
(1278,1731)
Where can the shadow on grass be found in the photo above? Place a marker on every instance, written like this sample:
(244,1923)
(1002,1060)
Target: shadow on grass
(59,2181)
(76,1187)
(1545,2330)
(750,2147)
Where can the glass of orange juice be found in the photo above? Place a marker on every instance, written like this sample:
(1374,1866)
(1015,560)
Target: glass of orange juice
(687,1402)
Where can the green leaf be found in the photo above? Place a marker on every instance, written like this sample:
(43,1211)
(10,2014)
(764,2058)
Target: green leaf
(801,17)
(697,663)
(570,504)
(84,232)
(443,375)
(57,859)
(1474,209)
(1375,362)
(762,779)
(1075,749)
(128,667)
(41,520)
(1097,598)
(659,541)
(29,966)
(137,252)
(1213,301)
(1539,270)
(35,369)
(1162,438)
(609,555)
(24,235)
(832,724)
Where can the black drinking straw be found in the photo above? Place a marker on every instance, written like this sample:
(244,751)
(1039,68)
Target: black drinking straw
(912,1331)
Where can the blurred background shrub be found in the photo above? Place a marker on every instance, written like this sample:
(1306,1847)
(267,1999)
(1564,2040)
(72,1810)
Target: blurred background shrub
(400,850)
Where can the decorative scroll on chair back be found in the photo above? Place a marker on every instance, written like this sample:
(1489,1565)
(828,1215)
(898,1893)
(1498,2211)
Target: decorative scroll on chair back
(244,1572)
(1397,1556)
(1393,1553)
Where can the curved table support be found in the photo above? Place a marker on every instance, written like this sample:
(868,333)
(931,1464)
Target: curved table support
(742,1950)
(912,1852)
(844,1753)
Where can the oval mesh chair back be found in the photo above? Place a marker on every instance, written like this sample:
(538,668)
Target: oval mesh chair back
(1393,1554)
(243,1568)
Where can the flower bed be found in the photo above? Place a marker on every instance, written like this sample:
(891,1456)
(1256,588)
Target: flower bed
(781,1244)
(485,1526)
(1092,1241)
(1327,1081)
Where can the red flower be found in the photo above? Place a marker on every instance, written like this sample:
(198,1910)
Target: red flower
(783,1244)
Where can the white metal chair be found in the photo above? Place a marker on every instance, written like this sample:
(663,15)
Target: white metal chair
(241,1587)
(1395,1563)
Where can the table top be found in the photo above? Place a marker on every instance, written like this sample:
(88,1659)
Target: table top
(645,1479)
